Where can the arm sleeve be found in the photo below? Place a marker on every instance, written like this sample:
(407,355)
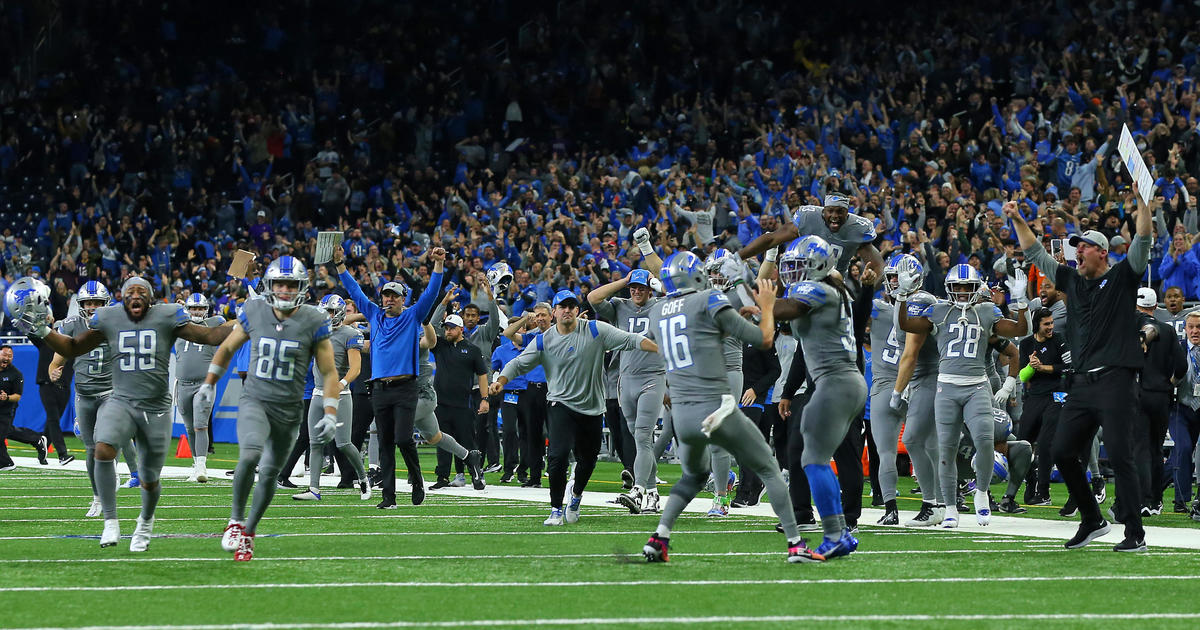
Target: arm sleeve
(732,324)
(1139,253)
(365,306)
(529,358)
(1038,256)
(613,338)
(436,317)
(423,305)
(491,328)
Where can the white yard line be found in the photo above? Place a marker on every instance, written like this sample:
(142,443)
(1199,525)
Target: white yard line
(595,584)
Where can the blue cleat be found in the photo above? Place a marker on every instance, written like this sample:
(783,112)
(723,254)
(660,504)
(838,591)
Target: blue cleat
(843,546)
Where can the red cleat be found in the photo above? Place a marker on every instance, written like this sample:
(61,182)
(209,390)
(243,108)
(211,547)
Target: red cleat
(245,552)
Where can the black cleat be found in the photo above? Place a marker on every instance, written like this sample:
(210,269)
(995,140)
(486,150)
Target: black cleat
(1040,500)
(439,484)
(1130,545)
(286,483)
(473,461)
(345,484)
(1099,489)
(1069,509)
(890,517)
(41,450)
(63,461)
(506,478)
(418,492)
(1087,533)
(387,504)
(1008,505)
(626,479)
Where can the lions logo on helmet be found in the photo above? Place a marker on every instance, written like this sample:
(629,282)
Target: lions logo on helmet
(197,307)
(91,296)
(500,276)
(807,258)
(715,268)
(683,271)
(336,307)
(27,299)
(281,273)
(962,284)
(901,263)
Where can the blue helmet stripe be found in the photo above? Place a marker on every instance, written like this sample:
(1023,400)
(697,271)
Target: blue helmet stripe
(285,265)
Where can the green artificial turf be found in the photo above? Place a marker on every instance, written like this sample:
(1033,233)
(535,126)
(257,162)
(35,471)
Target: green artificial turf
(490,562)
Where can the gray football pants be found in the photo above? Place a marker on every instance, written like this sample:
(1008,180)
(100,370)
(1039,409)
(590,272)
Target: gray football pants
(341,439)
(266,433)
(195,414)
(737,435)
(641,400)
(836,401)
(426,423)
(117,422)
(722,461)
(955,406)
(921,438)
(885,430)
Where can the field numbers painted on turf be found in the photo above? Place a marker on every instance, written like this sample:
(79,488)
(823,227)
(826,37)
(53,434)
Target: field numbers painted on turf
(676,347)
(138,350)
(276,359)
(965,342)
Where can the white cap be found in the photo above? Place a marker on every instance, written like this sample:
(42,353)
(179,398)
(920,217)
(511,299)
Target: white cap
(1146,298)
(453,320)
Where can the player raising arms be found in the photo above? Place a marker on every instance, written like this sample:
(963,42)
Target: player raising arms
(140,334)
(284,335)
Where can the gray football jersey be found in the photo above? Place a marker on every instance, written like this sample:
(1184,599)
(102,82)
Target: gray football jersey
(886,346)
(739,296)
(192,359)
(1163,315)
(928,357)
(142,352)
(854,233)
(692,343)
(93,371)
(280,349)
(624,314)
(962,336)
(425,368)
(344,339)
(825,332)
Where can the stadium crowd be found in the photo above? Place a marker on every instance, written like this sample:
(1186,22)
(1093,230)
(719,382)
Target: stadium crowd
(545,138)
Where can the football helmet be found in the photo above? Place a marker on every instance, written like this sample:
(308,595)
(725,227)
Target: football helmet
(92,291)
(963,284)
(683,271)
(285,269)
(807,258)
(197,307)
(336,307)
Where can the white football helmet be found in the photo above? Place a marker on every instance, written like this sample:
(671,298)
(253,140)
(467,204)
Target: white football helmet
(92,291)
(281,270)
(807,258)
(336,307)
(963,284)
(500,276)
(902,263)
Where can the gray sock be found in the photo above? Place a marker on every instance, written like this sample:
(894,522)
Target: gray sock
(451,445)
(243,480)
(373,446)
(129,452)
(355,458)
(263,493)
(150,500)
(721,461)
(1094,457)
(1020,458)
(316,460)
(833,526)
(90,461)
(106,486)
(200,444)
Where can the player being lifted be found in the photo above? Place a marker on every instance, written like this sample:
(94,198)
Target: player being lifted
(690,324)
(818,305)
(284,335)
(961,328)
(140,334)
(191,365)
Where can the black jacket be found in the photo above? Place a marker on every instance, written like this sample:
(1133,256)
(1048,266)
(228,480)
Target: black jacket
(1166,358)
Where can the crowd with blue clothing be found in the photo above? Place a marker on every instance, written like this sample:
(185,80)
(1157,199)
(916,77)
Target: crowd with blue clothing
(549,157)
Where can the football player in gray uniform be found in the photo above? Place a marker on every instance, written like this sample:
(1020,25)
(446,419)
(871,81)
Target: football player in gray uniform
(141,335)
(961,328)
(284,335)
(690,324)
(846,234)
(191,364)
(93,381)
(642,382)
(818,305)
(347,344)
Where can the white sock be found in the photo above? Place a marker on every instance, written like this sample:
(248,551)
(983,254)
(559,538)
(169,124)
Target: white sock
(663,531)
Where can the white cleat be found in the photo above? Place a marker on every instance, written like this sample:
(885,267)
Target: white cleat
(95,509)
(555,518)
(572,512)
(364,490)
(308,495)
(939,515)
(650,502)
(112,533)
(141,535)
(200,469)
(983,507)
(714,420)
(232,537)
(951,519)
